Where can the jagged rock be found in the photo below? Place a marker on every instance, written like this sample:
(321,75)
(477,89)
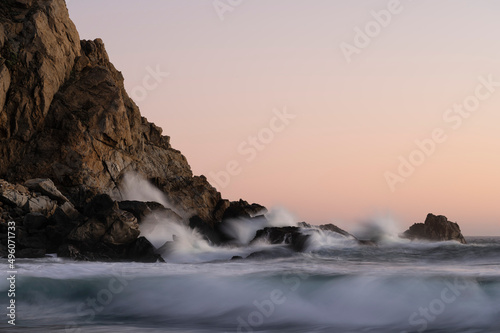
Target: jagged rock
(41,204)
(46,187)
(334,228)
(35,221)
(283,235)
(68,117)
(242,209)
(210,233)
(435,228)
(10,196)
(142,250)
(142,209)
(107,224)
(70,132)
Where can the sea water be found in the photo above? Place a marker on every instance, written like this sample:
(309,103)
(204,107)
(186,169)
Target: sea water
(336,285)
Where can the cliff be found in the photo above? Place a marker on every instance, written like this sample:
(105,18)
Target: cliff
(65,116)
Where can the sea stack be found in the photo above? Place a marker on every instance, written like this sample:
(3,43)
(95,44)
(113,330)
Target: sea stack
(435,228)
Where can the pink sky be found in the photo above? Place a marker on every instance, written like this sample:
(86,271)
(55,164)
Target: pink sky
(353,120)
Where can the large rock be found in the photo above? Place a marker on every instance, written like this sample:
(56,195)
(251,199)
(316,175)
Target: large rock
(284,235)
(107,224)
(435,228)
(65,115)
(46,187)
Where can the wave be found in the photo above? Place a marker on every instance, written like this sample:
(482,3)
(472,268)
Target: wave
(244,298)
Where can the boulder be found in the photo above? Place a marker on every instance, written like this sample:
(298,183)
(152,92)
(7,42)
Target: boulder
(35,221)
(46,187)
(283,235)
(242,209)
(435,228)
(107,223)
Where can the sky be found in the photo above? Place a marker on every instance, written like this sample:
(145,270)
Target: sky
(340,111)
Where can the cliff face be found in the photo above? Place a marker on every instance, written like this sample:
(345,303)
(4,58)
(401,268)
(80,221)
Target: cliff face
(65,115)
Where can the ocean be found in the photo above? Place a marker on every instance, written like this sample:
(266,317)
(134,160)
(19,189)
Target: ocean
(336,285)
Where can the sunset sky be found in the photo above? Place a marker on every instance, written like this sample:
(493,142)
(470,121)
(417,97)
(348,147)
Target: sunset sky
(361,82)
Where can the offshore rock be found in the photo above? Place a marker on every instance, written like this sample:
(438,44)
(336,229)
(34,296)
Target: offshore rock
(435,228)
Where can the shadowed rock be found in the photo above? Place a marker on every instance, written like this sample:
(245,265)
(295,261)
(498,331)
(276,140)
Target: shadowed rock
(435,228)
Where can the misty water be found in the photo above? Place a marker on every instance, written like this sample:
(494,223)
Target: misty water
(336,285)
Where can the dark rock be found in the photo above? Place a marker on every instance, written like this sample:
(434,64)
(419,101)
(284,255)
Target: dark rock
(46,187)
(237,258)
(284,235)
(208,232)
(334,228)
(35,221)
(143,251)
(30,253)
(242,209)
(142,209)
(435,228)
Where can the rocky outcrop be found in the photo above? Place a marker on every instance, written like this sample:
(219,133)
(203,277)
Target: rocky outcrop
(69,133)
(101,231)
(65,115)
(284,235)
(435,228)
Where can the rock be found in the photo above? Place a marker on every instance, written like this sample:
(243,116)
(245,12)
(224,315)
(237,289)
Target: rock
(4,80)
(143,251)
(30,253)
(46,187)
(70,132)
(142,209)
(435,228)
(211,234)
(284,235)
(10,196)
(40,204)
(242,209)
(107,224)
(334,228)
(35,221)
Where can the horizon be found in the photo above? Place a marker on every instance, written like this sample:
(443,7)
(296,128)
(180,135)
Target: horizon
(306,104)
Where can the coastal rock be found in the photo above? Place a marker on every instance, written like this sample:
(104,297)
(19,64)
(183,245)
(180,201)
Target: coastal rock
(142,209)
(107,224)
(70,133)
(242,209)
(46,187)
(284,235)
(435,228)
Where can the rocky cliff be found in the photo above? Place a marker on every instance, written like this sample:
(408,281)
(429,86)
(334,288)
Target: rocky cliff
(65,117)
